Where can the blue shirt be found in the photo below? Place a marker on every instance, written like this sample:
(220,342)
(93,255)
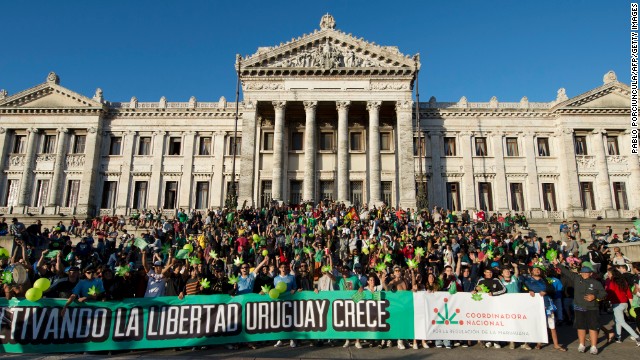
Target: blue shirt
(83,286)
(288,279)
(245,285)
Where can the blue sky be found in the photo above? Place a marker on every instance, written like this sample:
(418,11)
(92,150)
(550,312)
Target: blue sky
(182,48)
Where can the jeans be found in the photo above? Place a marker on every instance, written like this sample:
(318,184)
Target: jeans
(447,343)
(618,315)
(559,313)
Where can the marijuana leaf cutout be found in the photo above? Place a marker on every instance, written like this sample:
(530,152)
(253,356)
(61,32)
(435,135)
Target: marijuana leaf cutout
(238,261)
(412,264)
(194,260)
(213,254)
(476,297)
(307,249)
(380,267)
(7,277)
(419,252)
(205,283)
(552,255)
(165,249)
(233,279)
(326,268)
(365,250)
(93,291)
(489,254)
(265,289)
(122,270)
(484,288)
(387,258)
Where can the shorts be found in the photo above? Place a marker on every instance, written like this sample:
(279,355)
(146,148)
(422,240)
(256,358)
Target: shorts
(587,320)
(551,321)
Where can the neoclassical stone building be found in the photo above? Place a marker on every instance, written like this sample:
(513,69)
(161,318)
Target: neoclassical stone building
(325,115)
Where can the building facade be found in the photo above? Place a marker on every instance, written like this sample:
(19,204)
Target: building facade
(325,115)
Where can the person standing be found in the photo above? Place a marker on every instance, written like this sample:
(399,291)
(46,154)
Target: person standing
(619,294)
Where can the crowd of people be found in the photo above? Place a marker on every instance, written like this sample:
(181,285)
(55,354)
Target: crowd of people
(329,246)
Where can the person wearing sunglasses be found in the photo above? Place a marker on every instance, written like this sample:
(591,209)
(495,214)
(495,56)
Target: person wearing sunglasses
(82,291)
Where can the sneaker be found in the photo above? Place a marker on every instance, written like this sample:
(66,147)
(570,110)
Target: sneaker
(496,345)
(389,343)
(346,344)
(401,345)
(456,344)
(278,344)
(512,345)
(465,345)
(438,346)
(593,351)
(448,347)
(425,345)
(527,347)
(358,346)
(619,340)
(638,343)
(487,344)
(292,343)
(415,346)
(582,348)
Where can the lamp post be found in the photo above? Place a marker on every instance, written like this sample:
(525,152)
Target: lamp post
(232,195)
(421,197)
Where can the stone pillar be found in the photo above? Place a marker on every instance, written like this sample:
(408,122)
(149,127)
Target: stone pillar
(87,203)
(375,190)
(156,169)
(247,155)
(468,183)
(218,170)
(4,151)
(500,183)
(437,194)
(309,150)
(278,151)
(569,191)
(533,185)
(343,150)
(633,187)
(406,168)
(186,182)
(124,183)
(26,182)
(57,185)
(605,200)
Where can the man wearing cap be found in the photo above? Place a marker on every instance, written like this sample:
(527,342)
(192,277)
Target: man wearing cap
(156,284)
(587,293)
(82,291)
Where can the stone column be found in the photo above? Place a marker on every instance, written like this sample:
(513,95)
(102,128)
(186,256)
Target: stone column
(633,187)
(375,190)
(569,193)
(343,150)
(248,155)
(57,185)
(500,184)
(26,182)
(406,163)
(468,183)
(186,182)
(4,151)
(278,151)
(89,182)
(309,150)
(124,183)
(605,200)
(437,194)
(218,170)
(533,185)
(156,169)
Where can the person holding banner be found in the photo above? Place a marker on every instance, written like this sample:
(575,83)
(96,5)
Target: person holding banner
(537,284)
(288,278)
(90,288)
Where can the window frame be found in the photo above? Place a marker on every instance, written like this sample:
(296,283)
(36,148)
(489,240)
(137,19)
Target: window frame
(332,136)
(613,139)
(202,142)
(362,145)
(449,140)
(386,133)
(76,144)
(512,146)
(141,141)
(292,135)
(265,144)
(171,141)
(480,140)
(546,142)
(112,142)
(580,142)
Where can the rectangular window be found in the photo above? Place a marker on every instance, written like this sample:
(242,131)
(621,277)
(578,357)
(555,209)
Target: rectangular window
(586,196)
(170,194)
(326,141)
(486,197)
(295,192)
(385,141)
(234,146)
(356,192)
(144,146)
(326,190)
(267,144)
(49,144)
(481,146)
(41,194)
(202,194)
(512,147)
(266,193)
(79,144)
(620,194)
(109,192)
(297,141)
(140,195)
(449,147)
(581,145)
(115,147)
(175,145)
(356,141)
(517,197)
(387,192)
(543,147)
(73,190)
(612,145)
(549,197)
(453,196)
(419,146)
(11,196)
(20,144)
(204,148)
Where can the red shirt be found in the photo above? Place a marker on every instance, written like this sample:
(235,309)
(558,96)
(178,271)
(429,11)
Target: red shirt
(616,295)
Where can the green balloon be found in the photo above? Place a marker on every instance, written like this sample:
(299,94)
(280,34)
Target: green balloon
(281,287)
(42,284)
(4,253)
(188,247)
(33,294)
(265,253)
(274,293)
(256,237)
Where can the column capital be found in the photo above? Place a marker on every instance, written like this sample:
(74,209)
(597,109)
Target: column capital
(310,105)
(599,131)
(220,133)
(33,130)
(374,105)
(343,105)
(62,130)
(279,105)
(92,130)
(404,105)
(160,133)
(2,130)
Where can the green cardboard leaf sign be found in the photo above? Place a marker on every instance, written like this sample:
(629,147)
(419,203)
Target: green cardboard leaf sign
(307,249)
(326,268)
(205,283)
(93,291)
(194,260)
(412,264)
(233,279)
(551,255)
(213,254)
(265,289)
(484,288)
(380,267)
(238,261)
(387,258)
(419,251)
(7,277)
(365,250)
(476,297)
(122,270)
(165,249)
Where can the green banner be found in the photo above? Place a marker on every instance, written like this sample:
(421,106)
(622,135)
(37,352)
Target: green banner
(166,322)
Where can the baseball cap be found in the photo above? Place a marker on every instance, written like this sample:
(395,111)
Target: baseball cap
(586,269)
(157,263)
